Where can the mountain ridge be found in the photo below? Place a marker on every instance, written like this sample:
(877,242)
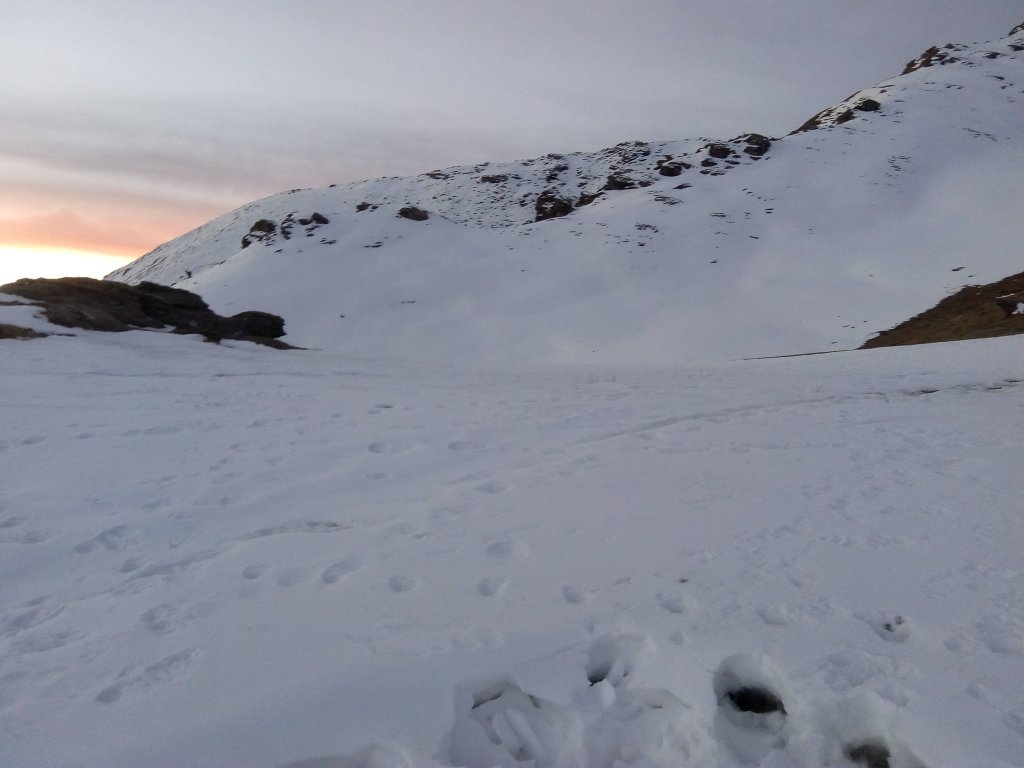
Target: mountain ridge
(606,255)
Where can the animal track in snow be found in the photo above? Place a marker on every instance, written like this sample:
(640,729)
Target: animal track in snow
(508,549)
(339,570)
(491,487)
(37,611)
(160,671)
(894,628)
(490,585)
(34,536)
(299,526)
(403,583)
(254,571)
(575,594)
(1001,634)
(112,539)
(677,601)
(386,447)
(778,615)
(500,725)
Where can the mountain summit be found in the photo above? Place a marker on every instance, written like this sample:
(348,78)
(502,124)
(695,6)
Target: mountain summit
(667,252)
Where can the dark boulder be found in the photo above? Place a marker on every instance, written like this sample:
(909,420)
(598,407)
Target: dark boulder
(255,323)
(413,213)
(550,205)
(617,181)
(867,105)
(721,151)
(105,305)
(757,145)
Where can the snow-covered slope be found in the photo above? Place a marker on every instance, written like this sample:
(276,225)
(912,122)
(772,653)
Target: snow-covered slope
(690,250)
(233,557)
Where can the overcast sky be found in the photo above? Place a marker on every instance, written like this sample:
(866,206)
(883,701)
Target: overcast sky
(127,123)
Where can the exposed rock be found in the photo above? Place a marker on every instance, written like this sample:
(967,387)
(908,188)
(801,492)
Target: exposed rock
(259,232)
(413,213)
(586,198)
(618,182)
(720,151)
(497,178)
(8,331)
(265,231)
(757,145)
(105,305)
(867,105)
(555,172)
(550,205)
(668,166)
(364,206)
(870,754)
(973,312)
(931,57)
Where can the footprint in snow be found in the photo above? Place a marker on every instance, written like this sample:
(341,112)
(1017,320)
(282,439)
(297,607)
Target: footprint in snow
(754,701)
(491,487)
(385,447)
(37,611)
(339,570)
(677,601)
(158,672)
(403,583)
(508,549)
(575,594)
(891,627)
(778,615)
(464,445)
(490,585)
(254,571)
(1001,634)
(498,724)
(111,539)
(613,659)
(35,536)
(292,577)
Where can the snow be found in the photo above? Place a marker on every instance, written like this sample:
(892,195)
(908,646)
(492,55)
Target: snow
(229,556)
(523,503)
(832,236)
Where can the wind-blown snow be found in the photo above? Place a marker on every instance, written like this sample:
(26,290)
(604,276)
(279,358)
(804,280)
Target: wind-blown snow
(232,556)
(831,236)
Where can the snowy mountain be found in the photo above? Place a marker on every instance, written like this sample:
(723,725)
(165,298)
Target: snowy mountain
(653,252)
(229,556)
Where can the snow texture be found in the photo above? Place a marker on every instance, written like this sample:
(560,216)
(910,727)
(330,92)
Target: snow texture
(203,564)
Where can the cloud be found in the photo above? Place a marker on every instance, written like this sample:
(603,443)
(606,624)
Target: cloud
(161,113)
(66,229)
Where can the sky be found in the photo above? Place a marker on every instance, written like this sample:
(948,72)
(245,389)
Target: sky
(125,125)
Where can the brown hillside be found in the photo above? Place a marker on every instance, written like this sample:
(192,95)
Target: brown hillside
(973,312)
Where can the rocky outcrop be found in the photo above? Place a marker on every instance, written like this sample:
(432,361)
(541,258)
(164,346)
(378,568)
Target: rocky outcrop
(413,213)
(266,231)
(973,312)
(550,205)
(104,305)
